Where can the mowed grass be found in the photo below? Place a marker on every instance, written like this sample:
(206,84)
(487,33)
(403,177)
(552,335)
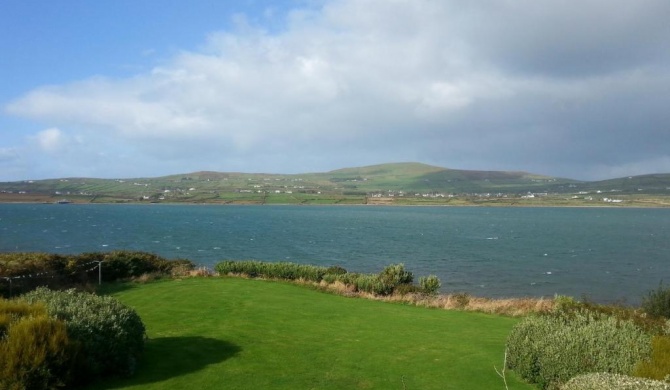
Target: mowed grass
(212,333)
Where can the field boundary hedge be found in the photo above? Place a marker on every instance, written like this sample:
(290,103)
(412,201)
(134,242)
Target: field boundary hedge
(392,279)
(21,272)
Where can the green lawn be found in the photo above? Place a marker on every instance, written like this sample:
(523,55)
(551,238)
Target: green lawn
(229,333)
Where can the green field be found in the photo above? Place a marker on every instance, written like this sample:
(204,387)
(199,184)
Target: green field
(214,333)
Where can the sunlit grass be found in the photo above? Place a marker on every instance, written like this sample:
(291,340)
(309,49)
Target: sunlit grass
(247,334)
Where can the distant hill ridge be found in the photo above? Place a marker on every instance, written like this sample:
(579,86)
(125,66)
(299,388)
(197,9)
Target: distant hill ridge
(405,178)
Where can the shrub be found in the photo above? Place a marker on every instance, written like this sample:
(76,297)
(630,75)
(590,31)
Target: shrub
(131,264)
(35,349)
(280,270)
(565,303)
(335,270)
(385,283)
(395,274)
(605,381)
(249,268)
(649,324)
(109,334)
(348,279)
(551,349)
(430,284)
(405,289)
(658,366)
(31,270)
(657,302)
(371,284)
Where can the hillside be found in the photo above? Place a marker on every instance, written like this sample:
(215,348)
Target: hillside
(396,183)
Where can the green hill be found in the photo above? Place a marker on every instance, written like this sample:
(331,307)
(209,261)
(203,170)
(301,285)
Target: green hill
(398,183)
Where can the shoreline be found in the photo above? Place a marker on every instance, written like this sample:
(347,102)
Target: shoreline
(391,204)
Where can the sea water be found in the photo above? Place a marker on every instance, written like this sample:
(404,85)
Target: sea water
(603,254)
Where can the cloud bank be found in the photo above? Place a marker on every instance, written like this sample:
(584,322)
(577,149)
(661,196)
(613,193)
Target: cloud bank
(568,89)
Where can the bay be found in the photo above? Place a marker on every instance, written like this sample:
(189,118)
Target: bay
(603,254)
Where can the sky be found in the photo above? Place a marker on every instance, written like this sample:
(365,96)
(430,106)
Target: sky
(143,88)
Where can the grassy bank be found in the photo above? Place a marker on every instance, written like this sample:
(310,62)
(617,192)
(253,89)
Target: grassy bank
(240,334)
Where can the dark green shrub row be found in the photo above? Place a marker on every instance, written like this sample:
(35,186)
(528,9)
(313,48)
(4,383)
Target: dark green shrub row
(280,270)
(29,270)
(392,279)
(347,278)
(109,336)
(605,381)
(35,350)
(129,264)
(551,349)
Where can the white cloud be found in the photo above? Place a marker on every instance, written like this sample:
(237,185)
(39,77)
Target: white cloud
(503,83)
(50,140)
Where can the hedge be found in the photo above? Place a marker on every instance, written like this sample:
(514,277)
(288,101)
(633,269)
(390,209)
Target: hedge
(109,335)
(551,349)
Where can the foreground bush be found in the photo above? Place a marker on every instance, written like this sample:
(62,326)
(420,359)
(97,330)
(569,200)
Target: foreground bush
(109,335)
(604,381)
(649,324)
(551,349)
(35,351)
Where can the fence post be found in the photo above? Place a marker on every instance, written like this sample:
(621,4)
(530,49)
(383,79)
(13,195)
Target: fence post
(99,271)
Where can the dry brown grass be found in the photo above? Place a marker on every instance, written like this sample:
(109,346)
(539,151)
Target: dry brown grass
(201,271)
(339,288)
(514,307)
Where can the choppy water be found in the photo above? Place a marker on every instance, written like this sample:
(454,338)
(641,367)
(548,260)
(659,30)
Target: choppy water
(606,254)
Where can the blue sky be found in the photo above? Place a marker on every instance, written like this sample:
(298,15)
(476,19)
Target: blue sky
(146,88)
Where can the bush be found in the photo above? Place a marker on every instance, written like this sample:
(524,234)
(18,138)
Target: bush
(335,270)
(430,284)
(551,349)
(110,335)
(605,381)
(405,289)
(371,284)
(348,278)
(280,270)
(132,264)
(31,270)
(35,349)
(393,278)
(649,324)
(657,302)
(395,274)
(565,303)
(658,366)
